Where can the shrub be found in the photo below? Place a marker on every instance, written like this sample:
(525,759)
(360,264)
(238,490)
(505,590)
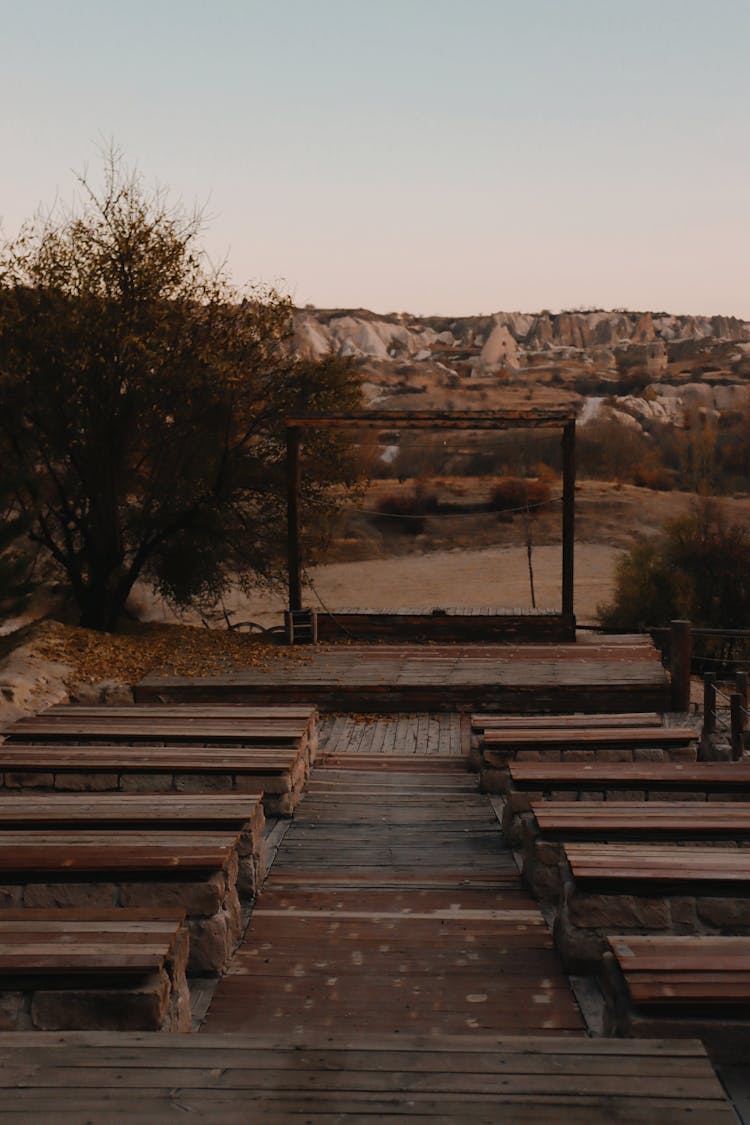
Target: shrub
(405,512)
(697,569)
(519,493)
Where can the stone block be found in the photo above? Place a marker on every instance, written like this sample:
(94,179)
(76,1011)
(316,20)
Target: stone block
(613,754)
(278,805)
(519,802)
(142,1008)
(631,795)
(492,780)
(612,912)
(11,896)
(682,753)
(682,913)
(146,783)
(29,779)
(592,795)
(202,898)
(538,755)
(578,755)
(648,754)
(212,941)
(47,895)
(727,914)
(203,782)
(11,1011)
(86,782)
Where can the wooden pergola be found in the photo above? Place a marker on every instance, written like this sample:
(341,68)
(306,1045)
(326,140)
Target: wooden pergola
(563,419)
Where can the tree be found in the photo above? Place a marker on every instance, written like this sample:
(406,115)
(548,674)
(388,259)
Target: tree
(142,403)
(697,569)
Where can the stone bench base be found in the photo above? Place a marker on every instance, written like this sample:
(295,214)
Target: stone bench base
(725,1035)
(212,906)
(281,793)
(584,920)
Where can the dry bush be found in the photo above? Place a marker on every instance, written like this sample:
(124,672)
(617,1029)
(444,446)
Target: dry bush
(405,512)
(519,493)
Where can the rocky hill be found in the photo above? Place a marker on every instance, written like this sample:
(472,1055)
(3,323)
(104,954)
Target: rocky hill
(507,338)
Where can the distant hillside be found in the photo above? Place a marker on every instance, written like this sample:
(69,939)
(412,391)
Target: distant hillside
(485,342)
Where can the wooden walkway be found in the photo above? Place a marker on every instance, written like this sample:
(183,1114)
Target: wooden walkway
(393,905)
(611,674)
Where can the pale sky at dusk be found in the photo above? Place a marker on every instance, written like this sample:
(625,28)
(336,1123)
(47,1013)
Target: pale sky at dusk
(422,155)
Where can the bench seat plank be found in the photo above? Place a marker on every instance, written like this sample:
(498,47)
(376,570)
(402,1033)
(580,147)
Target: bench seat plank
(609,736)
(22,852)
(630,775)
(157,811)
(571,820)
(684,970)
(647,863)
(552,722)
(158,758)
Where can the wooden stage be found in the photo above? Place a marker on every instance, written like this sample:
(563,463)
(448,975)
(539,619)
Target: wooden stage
(473,624)
(602,673)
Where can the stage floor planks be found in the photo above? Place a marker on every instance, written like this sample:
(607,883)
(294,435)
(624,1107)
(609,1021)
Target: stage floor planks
(612,674)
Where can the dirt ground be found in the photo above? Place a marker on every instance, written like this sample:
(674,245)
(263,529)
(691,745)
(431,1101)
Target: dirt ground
(493,576)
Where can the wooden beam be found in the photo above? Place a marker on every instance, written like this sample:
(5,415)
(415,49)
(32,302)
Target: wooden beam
(568,528)
(293,478)
(437,419)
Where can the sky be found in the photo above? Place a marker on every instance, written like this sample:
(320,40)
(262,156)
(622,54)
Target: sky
(445,157)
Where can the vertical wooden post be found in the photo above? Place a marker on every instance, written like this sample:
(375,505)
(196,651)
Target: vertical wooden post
(741,687)
(568,517)
(709,703)
(293,479)
(737,724)
(681,649)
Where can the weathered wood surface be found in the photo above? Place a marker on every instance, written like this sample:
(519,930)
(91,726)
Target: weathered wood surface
(92,942)
(659,865)
(634,819)
(393,906)
(29,852)
(107,1079)
(157,811)
(708,776)
(693,970)
(498,678)
(532,739)
(480,722)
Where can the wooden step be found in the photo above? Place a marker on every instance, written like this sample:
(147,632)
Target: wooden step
(136,1079)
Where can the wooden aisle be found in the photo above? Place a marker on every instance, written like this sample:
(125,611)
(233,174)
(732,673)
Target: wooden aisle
(393,905)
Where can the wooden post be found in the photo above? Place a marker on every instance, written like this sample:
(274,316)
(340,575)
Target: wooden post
(681,649)
(568,517)
(737,724)
(709,703)
(741,687)
(293,479)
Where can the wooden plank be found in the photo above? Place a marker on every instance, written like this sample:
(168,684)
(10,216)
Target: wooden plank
(681,819)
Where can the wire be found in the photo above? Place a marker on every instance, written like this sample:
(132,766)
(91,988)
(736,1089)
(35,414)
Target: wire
(330,612)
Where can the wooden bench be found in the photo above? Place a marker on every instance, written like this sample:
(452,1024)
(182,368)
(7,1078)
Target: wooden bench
(551,822)
(665,888)
(590,783)
(235,812)
(228,725)
(193,871)
(482,723)
(225,1079)
(278,772)
(100,969)
(694,986)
